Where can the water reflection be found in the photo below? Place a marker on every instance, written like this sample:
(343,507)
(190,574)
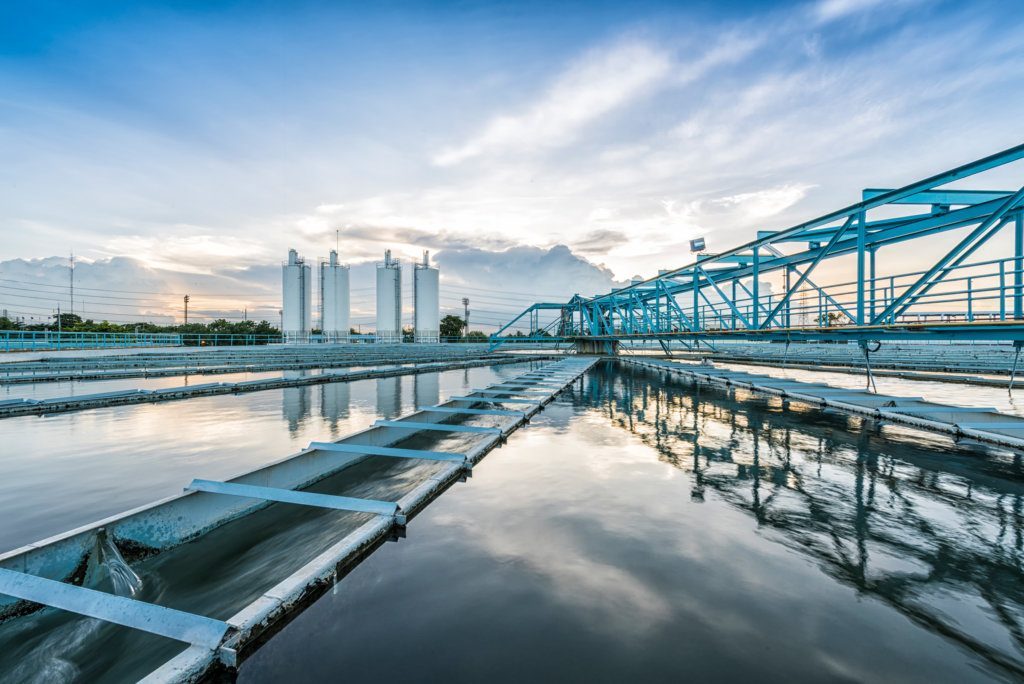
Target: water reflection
(427,389)
(296,406)
(335,398)
(933,529)
(389,397)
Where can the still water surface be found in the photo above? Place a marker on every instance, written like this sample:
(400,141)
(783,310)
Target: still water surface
(645,530)
(62,471)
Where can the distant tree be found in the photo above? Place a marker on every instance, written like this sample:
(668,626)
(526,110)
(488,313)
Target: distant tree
(66,321)
(9,323)
(831,319)
(476,336)
(451,326)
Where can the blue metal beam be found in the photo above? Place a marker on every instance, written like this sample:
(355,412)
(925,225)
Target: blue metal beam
(946,197)
(339,503)
(651,309)
(147,617)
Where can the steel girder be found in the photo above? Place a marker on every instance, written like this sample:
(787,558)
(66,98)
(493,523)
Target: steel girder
(700,300)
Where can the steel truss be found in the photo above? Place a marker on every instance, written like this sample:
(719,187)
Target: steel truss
(720,296)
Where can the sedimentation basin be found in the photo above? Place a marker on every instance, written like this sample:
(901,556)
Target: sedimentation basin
(642,526)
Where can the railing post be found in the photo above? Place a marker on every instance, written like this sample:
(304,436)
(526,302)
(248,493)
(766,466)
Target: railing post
(786,286)
(1018,265)
(970,300)
(755,316)
(871,278)
(1002,290)
(892,290)
(696,303)
(861,238)
(734,303)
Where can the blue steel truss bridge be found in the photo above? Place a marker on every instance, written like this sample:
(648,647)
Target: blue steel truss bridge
(842,276)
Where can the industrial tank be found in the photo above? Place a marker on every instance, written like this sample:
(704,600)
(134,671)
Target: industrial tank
(389,300)
(334,300)
(297,295)
(426,301)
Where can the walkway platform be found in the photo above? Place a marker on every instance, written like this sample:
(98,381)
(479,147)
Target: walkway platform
(22,407)
(982,424)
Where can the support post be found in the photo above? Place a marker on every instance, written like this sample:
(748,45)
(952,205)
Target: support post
(789,296)
(756,289)
(861,235)
(871,279)
(970,300)
(1002,290)
(734,301)
(696,303)
(1018,267)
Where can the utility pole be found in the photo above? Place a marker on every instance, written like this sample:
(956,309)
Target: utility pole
(72,275)
(465,318)
(186,309)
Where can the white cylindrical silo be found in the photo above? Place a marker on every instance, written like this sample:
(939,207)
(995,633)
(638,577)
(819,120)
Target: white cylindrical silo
(296,299)
(426,301)
(334,300)
(389,299)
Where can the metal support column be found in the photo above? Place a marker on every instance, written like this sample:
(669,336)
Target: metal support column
(1018,267)
(696,303)
(861,234)
(871,280)
(755,316)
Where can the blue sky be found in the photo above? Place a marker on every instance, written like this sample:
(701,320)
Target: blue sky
(202,137)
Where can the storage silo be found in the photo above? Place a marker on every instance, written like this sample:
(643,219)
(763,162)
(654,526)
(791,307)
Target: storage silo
(426,301)
(389,300)
(297,295)
(334,300)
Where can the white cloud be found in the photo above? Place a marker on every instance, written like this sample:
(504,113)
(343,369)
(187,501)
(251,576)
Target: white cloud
(189,253)
(830,10)
(650,150)
(600,82)
(766,203)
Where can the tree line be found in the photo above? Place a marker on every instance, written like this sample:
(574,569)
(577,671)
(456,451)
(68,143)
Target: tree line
(69,322)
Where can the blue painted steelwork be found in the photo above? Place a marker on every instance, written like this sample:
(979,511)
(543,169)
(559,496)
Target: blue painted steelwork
(339,503)
(39,340)
(390,452)
(721,295)
(148,617)
(468,411)
(495,400)
(500,392)
(437,427)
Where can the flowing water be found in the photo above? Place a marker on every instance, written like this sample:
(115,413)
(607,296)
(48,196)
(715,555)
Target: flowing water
(124,580)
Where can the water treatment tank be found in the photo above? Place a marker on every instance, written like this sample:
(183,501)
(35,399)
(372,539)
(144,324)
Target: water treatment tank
(389,300)
(334,300)
(426,301)
(297,295)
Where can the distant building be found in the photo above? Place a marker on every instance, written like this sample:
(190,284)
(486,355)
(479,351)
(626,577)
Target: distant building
(389,300)
(334,300)
(426,301)
(297,295)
